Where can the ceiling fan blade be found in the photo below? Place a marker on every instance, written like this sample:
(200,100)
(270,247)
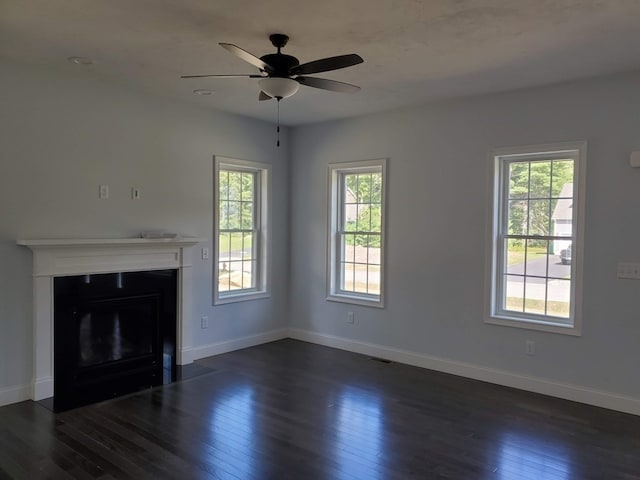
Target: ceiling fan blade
(247,57)
(326,64)
(222,76)
(327,84)
(263,96)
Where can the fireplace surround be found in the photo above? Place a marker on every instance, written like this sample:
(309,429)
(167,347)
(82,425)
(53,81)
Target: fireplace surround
(55,258)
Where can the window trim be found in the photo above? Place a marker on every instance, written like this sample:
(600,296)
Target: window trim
(496,205)
(263,250)
(333,218)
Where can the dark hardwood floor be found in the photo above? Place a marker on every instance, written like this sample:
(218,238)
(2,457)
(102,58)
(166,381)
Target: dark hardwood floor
(293,410)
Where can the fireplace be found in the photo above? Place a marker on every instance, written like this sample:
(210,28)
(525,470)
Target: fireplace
(114,333)
(121,303)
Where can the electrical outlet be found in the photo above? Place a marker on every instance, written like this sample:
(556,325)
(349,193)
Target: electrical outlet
(530,347)
(103,192)
(136,193)
(205,253)
(204,322)
(350,317)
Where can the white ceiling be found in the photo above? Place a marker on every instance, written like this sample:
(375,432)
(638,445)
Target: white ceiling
(414,50)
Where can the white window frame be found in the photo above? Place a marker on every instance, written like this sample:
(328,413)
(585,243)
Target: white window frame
(262,232)
(336,171)
(498,210)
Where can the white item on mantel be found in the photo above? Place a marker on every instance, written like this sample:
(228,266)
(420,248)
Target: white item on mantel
(159,235)
(86,256)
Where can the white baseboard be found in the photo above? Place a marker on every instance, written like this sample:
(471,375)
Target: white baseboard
(15,394)
(194,353)
(566,391)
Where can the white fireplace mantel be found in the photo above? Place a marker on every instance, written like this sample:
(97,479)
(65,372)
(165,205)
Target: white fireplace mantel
(64,257)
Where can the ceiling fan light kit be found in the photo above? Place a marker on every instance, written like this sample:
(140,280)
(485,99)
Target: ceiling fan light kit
(277,87)
(281,75)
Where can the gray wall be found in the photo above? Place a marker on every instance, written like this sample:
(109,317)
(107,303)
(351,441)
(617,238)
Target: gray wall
(63,134)
(437,218)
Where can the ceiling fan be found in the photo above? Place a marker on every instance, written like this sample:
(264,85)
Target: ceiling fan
(281,75)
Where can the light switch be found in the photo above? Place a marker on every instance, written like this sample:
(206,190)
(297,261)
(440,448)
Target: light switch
(629,271)
(103,192)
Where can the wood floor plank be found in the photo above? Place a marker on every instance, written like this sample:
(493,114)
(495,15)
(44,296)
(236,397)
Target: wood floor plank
(293,410)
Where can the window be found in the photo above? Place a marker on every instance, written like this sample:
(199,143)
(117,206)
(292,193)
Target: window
(241,233)
(356,232)
(538,218)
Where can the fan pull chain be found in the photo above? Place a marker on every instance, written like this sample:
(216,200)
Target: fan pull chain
(278,127)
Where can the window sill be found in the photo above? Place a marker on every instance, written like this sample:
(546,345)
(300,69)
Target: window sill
(240,297)
(531,324)
(355,300)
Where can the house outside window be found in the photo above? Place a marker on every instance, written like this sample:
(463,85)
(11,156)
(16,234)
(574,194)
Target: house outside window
(241,245)
(535,269)
(355,268)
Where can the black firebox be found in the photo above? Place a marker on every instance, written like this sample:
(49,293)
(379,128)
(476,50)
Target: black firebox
(113,334)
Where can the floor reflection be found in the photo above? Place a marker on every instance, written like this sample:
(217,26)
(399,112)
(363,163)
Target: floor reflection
(232,428)
(360,440)
(525,457)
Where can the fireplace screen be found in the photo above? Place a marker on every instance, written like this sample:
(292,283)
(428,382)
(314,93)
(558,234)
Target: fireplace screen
(118,329)
(113,334)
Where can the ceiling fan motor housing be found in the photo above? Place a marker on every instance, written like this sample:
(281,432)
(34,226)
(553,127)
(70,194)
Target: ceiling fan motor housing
(281,63)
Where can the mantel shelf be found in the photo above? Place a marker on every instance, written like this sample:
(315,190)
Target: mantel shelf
(96,242)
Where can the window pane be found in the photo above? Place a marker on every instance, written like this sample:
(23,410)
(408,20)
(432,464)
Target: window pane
(558,295)
(233,215)
(246,210)
(540,180)
(235,275)
(376,188)
(223,189)
(514,293)
(224,243)
(223,213)
(373,253)
(376,218)
(246,247)
(365,183)
(559,267)
(224,240)
(562,176)
(535,293)
(515,256)
(517,217)
(364,218)
(519,180)
(235,245)
(562,217)
(360,278)
(348,248)
(247,274)
(374,280)
(350,217)
(351,183)
(347,276)
(536,261)
(247,187)
(538,217)
(235,182)
(250,269)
